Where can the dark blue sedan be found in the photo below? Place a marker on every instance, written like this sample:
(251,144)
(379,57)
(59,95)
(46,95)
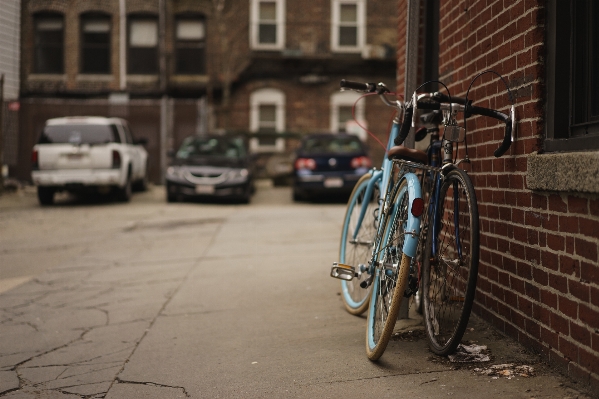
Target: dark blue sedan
(328,163)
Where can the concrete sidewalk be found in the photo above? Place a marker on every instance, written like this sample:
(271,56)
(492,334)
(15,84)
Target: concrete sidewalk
(155,300)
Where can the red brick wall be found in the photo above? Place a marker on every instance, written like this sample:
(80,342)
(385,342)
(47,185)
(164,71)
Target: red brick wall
(539,273)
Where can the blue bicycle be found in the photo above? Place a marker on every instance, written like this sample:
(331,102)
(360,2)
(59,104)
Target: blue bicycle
(409,254)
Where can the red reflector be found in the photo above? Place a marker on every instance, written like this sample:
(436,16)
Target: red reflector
(34,158)
(417,207)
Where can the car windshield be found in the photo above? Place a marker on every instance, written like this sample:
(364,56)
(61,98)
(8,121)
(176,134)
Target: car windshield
(222,147)
(332,144)
(79,134)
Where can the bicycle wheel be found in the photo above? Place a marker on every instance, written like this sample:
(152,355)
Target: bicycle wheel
(390,277)
(357,252)
(450,269)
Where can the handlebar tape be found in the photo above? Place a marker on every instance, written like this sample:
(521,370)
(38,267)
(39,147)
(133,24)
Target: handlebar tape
(347,84)
(507,138)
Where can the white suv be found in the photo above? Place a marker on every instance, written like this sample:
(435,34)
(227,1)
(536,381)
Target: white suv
(88,153)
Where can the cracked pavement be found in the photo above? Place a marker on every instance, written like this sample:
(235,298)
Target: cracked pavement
(156,300)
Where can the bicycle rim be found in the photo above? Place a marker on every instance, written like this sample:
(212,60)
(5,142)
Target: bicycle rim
(357,252)
(449,276)
(388,290)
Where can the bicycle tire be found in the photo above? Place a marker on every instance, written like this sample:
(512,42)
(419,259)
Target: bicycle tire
(355,298)
(449,276)
(388,291)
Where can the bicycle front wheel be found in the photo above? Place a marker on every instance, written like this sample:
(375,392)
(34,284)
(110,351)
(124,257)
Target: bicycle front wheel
(450,263)
(390,277)
(357,251)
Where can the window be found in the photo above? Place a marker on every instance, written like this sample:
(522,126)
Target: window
(348,25)
(342,119)
(95,44)
(267,115)
(190,46)
(143,45)
(49,44)
(267,24)
(572,81)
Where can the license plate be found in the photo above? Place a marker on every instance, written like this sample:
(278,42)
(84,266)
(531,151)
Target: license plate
(74,157)
(333,182)
(204,189)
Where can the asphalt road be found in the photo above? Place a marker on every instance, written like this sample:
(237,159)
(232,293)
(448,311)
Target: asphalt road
(203,300)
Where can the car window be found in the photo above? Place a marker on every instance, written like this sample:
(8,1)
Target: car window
(212,147)
(335,145)
(79,134)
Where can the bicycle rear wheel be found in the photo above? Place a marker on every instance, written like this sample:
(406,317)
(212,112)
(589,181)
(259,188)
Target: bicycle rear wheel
(357,252)
(450,264)
(390,278)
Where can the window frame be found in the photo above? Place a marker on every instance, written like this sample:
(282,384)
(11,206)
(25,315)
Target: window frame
(37,47)
(255,25)
(360,25)
(95,15)
(345,99)
(131,19)
(267,96)
(559,79)
(189,44)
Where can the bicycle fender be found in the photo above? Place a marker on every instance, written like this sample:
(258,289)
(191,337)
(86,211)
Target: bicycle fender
(412,229)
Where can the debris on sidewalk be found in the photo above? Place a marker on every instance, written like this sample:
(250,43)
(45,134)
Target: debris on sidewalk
(508,370)
(470,354)
(409,335)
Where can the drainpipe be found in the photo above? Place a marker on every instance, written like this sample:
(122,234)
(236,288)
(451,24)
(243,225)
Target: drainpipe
(411,67)
(411,75)
(122,46)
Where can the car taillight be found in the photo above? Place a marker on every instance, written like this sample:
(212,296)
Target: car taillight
(34,160)
(361,162)
(305,163)
(116,159)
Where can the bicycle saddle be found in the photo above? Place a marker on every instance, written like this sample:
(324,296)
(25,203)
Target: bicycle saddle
(407,154)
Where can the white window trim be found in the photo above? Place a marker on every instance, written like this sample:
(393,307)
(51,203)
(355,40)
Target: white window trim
(348,98)
(267,96)
(255,22)
(335,16)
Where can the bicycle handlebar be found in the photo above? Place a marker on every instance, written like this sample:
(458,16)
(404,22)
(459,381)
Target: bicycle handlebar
(367,87)
(460,104)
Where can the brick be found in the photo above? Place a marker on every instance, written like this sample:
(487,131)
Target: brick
(568,224)
(588,316)
(594,295)
(558,282)
(580,334)
(588,227)
(524,270)
(550,260)
(549,337)
(589,272)
(568,349)
(587,249)
(579,290)
(525,306)
(578,205)
(568,307)
(556,242)
(560,324)
(568,265)
(540,276)
(557,204)
(595,341)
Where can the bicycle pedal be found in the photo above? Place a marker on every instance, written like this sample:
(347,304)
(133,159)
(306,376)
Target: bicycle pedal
(343,272)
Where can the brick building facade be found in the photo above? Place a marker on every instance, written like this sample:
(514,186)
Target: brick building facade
(179,67)
(539,203)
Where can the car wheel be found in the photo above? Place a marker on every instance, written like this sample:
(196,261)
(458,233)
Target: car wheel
(45,195)
(124,193)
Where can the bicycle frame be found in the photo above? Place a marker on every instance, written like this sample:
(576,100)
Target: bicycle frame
(384,175)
